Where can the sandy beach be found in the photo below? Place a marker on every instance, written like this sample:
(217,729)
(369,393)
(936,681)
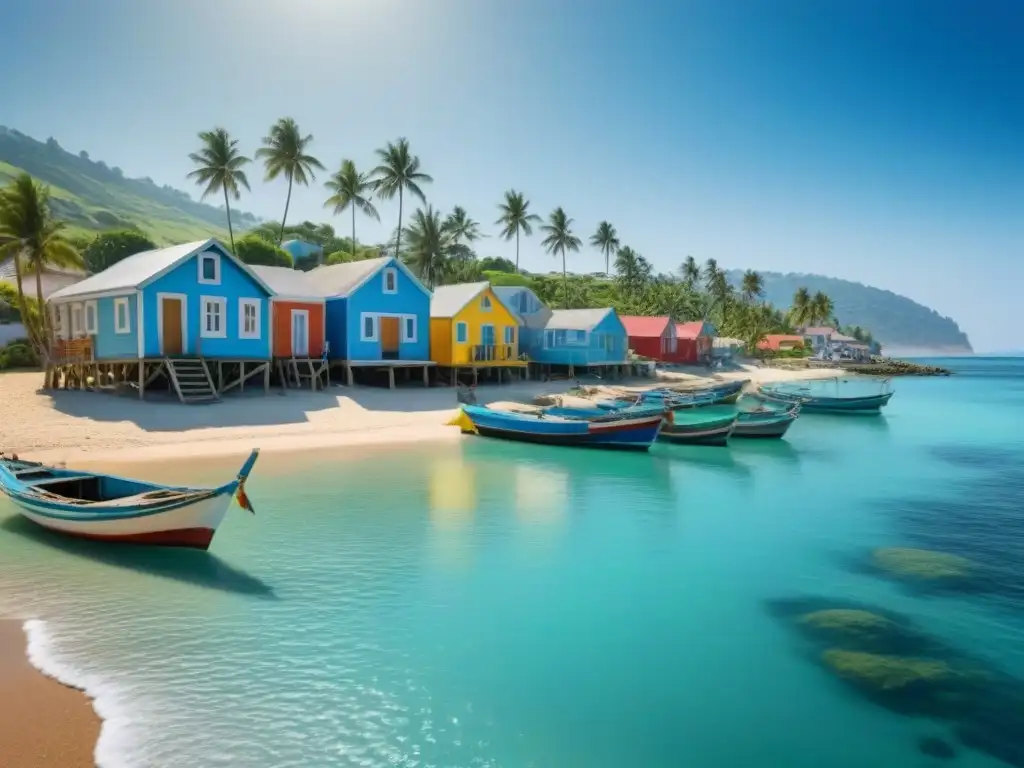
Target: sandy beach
(87,426)
(43,722)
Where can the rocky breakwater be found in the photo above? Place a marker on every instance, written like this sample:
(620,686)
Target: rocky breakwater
(887,366)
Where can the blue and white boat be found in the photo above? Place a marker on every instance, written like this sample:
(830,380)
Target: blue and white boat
(618,432)
(90,505)
(815,400)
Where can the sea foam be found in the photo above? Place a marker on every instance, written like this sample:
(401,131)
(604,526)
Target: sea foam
(113,748)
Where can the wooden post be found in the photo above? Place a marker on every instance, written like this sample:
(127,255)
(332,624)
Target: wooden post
(426,375)
(348,374)
(142,379)
(266,379)
(391,377)
(476,376)
(455,376)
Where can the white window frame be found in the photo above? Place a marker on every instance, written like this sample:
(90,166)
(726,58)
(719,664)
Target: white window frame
(465,326)
(242,333)
(291,329)
(393,273)
(577,340)
(510,330)
(375,321)
(204,314)
(216,270)
(77,320)
(126,326)
(486,304)
(409,338)
(91,312)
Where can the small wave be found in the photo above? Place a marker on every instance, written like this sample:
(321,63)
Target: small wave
(108,703)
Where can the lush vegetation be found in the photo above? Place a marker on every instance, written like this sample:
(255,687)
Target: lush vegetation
(93,197)
(441,246)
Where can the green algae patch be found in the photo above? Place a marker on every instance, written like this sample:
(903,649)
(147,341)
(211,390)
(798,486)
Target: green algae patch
(921,564)
(888,673)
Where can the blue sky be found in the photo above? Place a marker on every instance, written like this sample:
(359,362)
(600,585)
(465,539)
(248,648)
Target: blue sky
(874,140)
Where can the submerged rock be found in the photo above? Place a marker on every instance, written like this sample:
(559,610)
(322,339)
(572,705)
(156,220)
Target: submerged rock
(933,746)
(879,672)
(862,628)
(921,564)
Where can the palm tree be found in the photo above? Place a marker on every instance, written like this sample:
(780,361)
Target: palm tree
(515,218)
(399,170)
(284,151)
(429,245)
(822,308)
(606,240)
(710,272)
(753,285)
(800,312)
(351,189)
(28,231)
(461,227)
(632,269)
(691,272)
(219,167)
(559,240)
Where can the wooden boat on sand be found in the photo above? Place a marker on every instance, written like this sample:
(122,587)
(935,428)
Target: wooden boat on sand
(611,431)
(91,505)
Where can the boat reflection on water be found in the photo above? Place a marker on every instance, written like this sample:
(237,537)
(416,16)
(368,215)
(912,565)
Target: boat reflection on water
(542,493)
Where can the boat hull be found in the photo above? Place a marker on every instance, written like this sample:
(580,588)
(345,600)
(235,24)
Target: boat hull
(626,434)
(869,405)
(190,525)
(708,434)
(763,428)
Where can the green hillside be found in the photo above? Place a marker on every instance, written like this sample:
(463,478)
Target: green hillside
(894,320)
(92,196)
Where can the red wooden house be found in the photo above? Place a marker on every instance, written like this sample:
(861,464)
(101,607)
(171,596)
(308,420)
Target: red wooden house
(694,342)
(653,337)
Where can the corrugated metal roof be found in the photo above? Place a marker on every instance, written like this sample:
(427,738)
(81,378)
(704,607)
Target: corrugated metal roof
(576,319)
(129,273)
(284,281)
(342,279)
(448,300)
(645,327)
(8,271)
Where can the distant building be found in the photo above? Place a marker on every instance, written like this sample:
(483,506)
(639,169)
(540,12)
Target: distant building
(653,337)
(819,337)
(300,249)
(694,342)
(780,342)
(52,278)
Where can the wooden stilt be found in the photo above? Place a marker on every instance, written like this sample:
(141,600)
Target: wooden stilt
(142,379)
(266,379)
(391,378)
(348,375)
(426,375)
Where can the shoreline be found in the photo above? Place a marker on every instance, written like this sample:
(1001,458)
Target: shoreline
(46,723)
(80,426)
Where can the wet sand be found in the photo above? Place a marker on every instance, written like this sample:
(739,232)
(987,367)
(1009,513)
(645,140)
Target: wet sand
(43,724)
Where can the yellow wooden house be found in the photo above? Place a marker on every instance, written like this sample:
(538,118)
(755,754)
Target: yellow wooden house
(471,328)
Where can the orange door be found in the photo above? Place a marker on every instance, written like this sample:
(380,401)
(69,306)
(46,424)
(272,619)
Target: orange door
(389,337)
(171,326)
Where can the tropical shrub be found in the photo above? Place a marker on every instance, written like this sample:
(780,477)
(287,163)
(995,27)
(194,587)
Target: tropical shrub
(256,250)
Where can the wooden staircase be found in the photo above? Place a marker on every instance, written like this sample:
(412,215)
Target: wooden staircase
(191,380)
(302,371)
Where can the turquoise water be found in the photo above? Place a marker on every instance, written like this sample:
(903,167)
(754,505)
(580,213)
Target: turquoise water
(488,604)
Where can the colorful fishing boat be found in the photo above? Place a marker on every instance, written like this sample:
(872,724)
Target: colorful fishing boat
(612,431)
(712,425)
(764,420)
(815,402)
(90,505)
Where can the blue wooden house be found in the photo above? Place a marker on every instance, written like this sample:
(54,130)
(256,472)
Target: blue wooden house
(581,337)
(378,315)
(531,313)
(170,311)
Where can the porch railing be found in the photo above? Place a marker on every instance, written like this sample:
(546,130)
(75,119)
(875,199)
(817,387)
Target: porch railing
(72,351)
(489,353)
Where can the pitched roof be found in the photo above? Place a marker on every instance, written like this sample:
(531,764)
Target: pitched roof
(343,279)
(286,281)
(842,337)
(576,319)
(507,294)
(645,327)
(130,273)
(691,330)
(819,330)
(8,271)
(340,280)
(449,300)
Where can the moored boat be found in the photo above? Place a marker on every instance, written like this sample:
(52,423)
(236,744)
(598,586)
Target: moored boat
(712,425)
(764,420)
(617,431)
(814,402)
(103,507)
